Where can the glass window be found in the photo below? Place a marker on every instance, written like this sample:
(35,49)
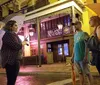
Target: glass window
(49,45)
(49,50)
(59,45)
(66,49)
(60,51)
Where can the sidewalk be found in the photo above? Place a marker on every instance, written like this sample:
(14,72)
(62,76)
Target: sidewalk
(48,74)
(49,68)
(46,68)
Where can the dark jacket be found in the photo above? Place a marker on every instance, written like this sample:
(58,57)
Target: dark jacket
(10,48)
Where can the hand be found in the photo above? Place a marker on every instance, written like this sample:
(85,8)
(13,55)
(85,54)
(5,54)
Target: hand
(85,60)
(72,60)
(24,42)
(26,39)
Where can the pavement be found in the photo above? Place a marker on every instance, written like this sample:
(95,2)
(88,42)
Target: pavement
(47,74)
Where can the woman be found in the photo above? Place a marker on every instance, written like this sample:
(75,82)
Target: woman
(95,23)
(2,32)
(10,51)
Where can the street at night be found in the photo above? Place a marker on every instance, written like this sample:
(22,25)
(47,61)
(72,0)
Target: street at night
(52,74)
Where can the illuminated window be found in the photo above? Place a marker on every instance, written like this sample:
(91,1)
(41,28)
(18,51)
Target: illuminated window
(60,51)
(49,48)
(66,49)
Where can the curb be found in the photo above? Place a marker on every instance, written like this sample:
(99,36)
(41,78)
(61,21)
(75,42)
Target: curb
(47,73)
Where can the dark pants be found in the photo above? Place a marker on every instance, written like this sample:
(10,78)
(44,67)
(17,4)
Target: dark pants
(96,56)
(98,63)
(12,73)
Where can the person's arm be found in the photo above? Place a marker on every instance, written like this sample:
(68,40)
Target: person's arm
(86,37)
(98,32)
(72,57)
(86,53)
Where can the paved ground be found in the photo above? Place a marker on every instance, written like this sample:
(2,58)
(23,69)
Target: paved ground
(52,74)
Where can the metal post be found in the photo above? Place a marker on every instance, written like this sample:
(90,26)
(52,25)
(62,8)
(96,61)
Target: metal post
(38,30)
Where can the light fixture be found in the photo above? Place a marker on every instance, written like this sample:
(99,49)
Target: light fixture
(31,33)
(41,46)
(60,26)
(31,29)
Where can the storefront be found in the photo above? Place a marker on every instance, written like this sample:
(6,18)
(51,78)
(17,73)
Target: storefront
(49,31)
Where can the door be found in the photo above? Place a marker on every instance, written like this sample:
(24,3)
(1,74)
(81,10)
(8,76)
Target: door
(60,51)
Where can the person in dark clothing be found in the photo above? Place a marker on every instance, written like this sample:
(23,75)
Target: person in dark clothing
(10,51)
(2,32)
(95,22)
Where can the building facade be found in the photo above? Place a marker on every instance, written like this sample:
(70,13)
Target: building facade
(48,26)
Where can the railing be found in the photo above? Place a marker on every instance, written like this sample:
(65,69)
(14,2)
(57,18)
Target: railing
(5,3)
(29,60)
(32,60)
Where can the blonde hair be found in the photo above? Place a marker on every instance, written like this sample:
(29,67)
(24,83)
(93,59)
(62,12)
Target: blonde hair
(2,24)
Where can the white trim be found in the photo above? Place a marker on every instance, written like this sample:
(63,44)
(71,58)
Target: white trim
(53,4)
(50,10)
(75,5)
(81,2)
(73,14)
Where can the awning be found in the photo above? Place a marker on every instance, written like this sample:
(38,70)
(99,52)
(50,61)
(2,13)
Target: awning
(95,7)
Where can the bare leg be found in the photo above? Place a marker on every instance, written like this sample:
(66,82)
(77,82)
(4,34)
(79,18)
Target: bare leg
(81,79)
(90,78)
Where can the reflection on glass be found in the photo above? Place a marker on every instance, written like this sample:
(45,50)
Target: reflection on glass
(66,49)
(49,50)
(49,45)
(59,45)
(60,49)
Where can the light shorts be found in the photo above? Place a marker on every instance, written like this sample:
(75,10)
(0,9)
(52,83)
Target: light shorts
(82,68)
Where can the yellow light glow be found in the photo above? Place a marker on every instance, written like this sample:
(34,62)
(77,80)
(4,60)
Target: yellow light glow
(90,10)
(86,16)
(86,26)
(39,12)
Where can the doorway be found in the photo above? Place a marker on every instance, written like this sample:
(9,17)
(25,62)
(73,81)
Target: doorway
(60,50)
